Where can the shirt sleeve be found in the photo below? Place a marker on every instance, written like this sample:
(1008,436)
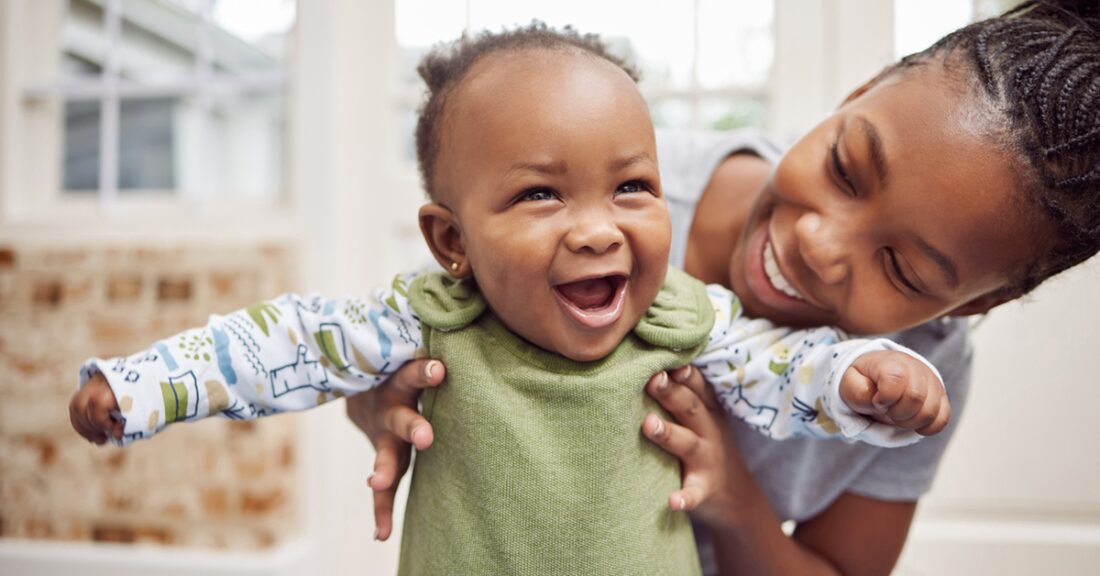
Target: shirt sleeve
(786,382)
(290,353)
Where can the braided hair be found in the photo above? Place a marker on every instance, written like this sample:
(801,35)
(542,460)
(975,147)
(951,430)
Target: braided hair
(446,65)
(1038,66)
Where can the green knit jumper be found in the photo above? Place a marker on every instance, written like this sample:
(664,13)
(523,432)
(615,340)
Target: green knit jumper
(538,464)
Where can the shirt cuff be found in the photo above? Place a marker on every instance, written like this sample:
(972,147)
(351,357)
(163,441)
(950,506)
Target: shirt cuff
(140,414)
(857,427)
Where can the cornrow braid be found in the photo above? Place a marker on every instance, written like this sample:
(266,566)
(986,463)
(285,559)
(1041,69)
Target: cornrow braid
(1039,65)
(446,65)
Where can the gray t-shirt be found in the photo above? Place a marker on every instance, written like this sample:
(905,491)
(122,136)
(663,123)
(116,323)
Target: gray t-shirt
(802,476)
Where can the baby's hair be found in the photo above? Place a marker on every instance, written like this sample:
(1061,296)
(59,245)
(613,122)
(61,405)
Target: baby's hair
(444,68)
(1038,66)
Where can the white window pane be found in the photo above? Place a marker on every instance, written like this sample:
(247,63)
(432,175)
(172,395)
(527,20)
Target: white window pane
(735,42)
(658,38)
(730,113)
(146,158)
(251,35)
(919,23)
(81,155)
(235,148)
(189,132)
(671,113)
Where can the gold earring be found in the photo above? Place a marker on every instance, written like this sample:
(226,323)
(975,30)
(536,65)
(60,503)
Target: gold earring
(454,266)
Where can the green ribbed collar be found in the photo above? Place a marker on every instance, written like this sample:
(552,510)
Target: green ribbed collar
(680,318)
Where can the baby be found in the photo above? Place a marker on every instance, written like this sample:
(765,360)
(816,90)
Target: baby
(557,304)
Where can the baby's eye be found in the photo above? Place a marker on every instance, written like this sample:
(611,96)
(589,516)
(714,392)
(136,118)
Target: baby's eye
(632,187)
(537,194)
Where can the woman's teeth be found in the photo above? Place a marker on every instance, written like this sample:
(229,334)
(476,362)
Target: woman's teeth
(775,276)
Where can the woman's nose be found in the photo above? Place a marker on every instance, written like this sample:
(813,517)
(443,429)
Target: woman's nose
(824,247)
(595,233)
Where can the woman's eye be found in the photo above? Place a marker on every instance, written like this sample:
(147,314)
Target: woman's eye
(537,194)
(631,187)
(899,274)
(840,170)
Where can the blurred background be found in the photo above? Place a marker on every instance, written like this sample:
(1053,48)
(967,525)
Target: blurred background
(164,159)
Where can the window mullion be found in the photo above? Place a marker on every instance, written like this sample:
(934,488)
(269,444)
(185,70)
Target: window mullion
(109,105)
(696,115)
(204,71)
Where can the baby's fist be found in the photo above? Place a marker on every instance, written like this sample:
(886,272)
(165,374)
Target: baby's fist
(896,389)
(90,411)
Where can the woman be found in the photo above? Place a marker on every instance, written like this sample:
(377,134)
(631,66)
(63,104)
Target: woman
(1019,115)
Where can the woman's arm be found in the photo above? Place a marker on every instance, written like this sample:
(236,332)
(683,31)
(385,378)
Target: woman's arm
(854,536)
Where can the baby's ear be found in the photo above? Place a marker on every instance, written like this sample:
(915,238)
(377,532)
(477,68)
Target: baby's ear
(444,237)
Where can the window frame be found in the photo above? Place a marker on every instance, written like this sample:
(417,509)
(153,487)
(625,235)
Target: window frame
(34,94)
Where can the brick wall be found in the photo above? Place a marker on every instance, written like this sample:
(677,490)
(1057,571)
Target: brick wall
(214,484)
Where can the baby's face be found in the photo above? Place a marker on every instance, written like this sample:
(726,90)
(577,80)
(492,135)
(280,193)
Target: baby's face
(548,161)
(893,211)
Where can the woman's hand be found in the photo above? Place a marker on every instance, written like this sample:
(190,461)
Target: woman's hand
(855,535)
(699,438)
(389,417)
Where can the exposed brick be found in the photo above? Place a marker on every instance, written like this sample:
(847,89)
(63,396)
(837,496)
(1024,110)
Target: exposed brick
(259,502)
(224,284)
(123,287)
(215,500)
(286,456)
(113,533)
(78,289)
(52,484)
(242,426)
(177,289)
(112,330)
(118,501)
(116,459)
(7,257)
(174,510)
(37,528)
(46,293)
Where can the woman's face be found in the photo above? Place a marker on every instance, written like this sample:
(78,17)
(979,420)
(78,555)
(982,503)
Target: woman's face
(892,211)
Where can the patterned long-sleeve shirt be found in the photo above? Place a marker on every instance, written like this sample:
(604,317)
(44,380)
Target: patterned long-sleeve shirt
(295,353)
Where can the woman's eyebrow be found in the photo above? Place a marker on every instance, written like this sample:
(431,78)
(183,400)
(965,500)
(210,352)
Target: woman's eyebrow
(874,144)
(942,262)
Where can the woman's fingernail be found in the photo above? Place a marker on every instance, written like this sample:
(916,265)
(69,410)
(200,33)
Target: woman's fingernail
(412,435)
(681,504)
(660,429)
(369,478)
(662,381)
(681,374)
(429,370)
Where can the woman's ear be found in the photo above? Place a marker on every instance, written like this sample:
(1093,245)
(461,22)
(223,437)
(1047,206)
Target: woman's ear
(444,237)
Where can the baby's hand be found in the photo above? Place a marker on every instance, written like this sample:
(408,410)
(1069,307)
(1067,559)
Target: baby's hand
(90,411)
(896,389)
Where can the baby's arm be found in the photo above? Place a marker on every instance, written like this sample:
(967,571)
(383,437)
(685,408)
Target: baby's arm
(789,382)
(291,353)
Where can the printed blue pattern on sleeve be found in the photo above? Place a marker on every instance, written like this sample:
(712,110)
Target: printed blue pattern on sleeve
(786,382)
(291,353)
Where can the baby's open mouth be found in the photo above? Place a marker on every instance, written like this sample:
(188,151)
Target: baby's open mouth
(593,302)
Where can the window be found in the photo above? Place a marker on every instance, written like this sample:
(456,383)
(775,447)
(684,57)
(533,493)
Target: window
(178,99)
(704,64)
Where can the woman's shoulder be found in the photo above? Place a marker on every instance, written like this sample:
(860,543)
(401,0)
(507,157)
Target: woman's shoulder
(689,158)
